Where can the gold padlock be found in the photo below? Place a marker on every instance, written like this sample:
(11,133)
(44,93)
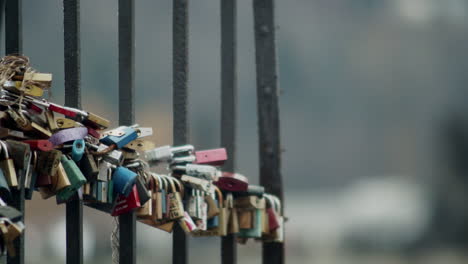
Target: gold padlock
(60,179)
(48,162)
(246,219)
(99,121)
(30,89)
(51,120)
(45,78)
(176,207)
(8,167)
(44,132)
(140,145)
(63,123)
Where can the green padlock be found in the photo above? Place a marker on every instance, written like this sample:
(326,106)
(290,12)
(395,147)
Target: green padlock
(76,177)
(110,191)
(256,230)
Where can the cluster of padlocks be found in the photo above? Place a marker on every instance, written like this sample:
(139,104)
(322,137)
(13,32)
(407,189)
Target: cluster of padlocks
(71,154)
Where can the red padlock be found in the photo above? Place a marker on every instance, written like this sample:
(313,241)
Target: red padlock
(233,182)
(214,157)
(273,222)
(126,204)
(40,144)
(62,110)
(93,132)
(35,108)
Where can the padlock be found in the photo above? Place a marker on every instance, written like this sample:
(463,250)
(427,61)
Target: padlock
(26,178)
(197,183)
(206,172)
(66,111)
(94,133)
(5,193)
(10,133)
(69,134)
(43,132)
(124,180)
(21,155)
(115,157)
(232,219)
(126,204)
(233,182)
(182,160)
(105,171)
(60,180)
(8,167)
(273,210)
(48,162)
(166,153)
(256,230)
(96,121)
(213,205)
(89,167)
(101,191)
(43,78)
(217,225)
(250,202)
(78,149)
(215,157)
(51,122)
(246,219)
(187,224)
(120,136)
(21,121)
(11,213)
(202,215)
(275,234)
(75,176)
(174,200)
(39,144)
(140,145)
(31,178)
(252,189)
(146,210)
(144,132)
(63,123)
(143,192)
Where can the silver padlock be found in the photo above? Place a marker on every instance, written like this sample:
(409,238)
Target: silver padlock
(105,171)
(115,156)
(206,172)
(183,159)
(166,153)
(197,183)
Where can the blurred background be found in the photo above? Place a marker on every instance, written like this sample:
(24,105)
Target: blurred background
(373,120)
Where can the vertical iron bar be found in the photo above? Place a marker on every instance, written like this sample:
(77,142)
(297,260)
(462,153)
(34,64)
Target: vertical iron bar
(127,222)
(179,101)
(71,37)
(228,106)
(13,27)
(268,113)
(14,45)
(2,16)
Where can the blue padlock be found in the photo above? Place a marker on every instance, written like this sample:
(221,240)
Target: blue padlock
(123,180)
(120,136)
(78,149)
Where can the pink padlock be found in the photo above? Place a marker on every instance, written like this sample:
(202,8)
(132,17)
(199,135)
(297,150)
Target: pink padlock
(233,182)
(126,204)
(214,157)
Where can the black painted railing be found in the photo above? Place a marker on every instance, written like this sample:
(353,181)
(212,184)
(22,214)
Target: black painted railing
(267,100)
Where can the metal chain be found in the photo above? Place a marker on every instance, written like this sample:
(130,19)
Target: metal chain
(115,242)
